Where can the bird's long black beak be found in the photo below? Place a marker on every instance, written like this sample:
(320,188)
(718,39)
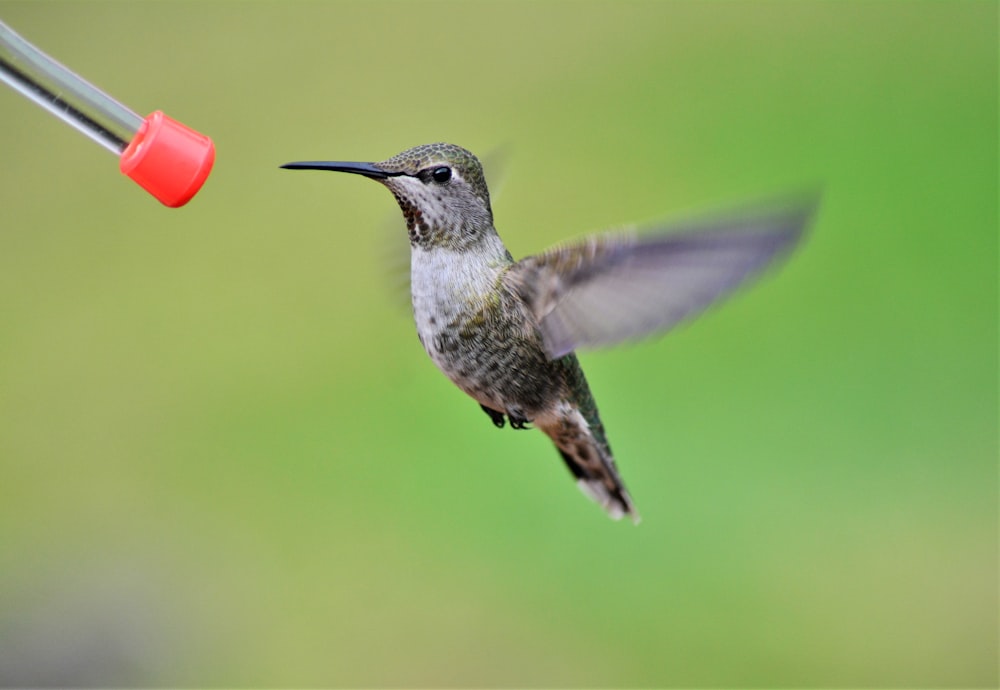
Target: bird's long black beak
(367,169)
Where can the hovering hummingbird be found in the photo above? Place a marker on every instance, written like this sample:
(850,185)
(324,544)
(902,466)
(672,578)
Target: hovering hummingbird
(505,331)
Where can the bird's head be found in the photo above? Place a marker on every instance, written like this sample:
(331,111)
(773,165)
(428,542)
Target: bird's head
(440,189)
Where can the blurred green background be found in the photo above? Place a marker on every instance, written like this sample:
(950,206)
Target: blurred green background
(226,460)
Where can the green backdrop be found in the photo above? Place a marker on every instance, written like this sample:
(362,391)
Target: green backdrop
(226,460)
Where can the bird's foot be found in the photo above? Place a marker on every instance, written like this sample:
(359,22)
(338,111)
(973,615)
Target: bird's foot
(517,421)
(497,417)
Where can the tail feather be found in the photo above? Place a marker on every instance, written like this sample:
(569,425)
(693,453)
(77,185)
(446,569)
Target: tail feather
(588,457)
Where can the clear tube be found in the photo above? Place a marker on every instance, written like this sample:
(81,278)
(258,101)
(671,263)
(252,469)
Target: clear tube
(65,94)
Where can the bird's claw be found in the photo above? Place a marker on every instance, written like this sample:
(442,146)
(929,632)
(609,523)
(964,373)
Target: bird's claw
(497,417)
(518,422)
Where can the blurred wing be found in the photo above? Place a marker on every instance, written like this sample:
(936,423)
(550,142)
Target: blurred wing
(396,261)
(612,288)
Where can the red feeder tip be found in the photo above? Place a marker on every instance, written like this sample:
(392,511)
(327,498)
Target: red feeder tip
(168,160)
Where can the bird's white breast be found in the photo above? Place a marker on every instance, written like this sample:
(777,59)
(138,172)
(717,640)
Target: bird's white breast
(445,286)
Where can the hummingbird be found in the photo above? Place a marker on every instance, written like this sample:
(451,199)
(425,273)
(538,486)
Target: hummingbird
(505,332)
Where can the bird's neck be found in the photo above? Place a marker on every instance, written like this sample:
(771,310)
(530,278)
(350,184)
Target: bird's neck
(444,274)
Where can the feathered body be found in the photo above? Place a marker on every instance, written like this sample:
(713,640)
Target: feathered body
(504,332)
(481,334)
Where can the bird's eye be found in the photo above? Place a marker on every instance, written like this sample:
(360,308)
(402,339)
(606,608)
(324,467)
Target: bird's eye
(442,174)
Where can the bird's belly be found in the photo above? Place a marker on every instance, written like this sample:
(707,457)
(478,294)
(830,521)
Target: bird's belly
(478,334)
(491,355)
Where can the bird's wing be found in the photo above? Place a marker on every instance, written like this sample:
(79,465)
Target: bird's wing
(611,288)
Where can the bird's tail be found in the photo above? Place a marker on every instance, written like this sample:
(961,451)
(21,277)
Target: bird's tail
(585,450)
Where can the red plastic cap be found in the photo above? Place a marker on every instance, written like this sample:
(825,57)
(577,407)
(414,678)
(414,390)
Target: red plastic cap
(168,160)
